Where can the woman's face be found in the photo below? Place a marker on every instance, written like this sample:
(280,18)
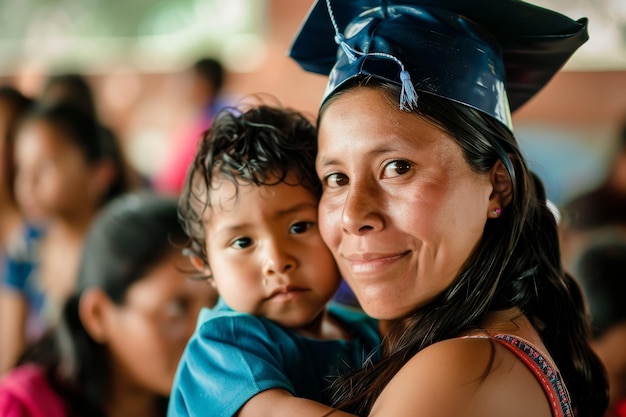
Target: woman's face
(147,334)
(401,209)
(52,175)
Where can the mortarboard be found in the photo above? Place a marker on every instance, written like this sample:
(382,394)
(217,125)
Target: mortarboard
(492,55)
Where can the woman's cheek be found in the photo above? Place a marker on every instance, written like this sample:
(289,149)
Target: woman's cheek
(330,222)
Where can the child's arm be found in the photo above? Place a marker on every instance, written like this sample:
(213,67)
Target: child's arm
(279,403)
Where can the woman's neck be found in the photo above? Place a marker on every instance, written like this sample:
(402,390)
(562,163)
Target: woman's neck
(74,226)
(127,399)
(133,404)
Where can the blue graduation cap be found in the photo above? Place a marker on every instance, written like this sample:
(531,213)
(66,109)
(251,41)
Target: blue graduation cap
(492,55)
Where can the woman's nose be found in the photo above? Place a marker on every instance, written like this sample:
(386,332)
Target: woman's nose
(361,212)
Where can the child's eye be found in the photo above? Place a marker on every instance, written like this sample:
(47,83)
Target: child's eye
(300,227)
(241,243)
(396,168)
(336,180)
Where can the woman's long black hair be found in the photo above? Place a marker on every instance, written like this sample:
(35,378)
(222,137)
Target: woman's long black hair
(517,264)
(131,234)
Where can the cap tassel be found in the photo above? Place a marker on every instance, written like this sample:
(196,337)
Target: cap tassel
(340,40)
(408,95)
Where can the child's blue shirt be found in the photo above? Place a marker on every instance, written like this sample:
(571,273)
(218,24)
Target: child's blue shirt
(233,356)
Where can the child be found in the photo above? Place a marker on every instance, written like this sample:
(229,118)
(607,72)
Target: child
(250,208)
(123,329)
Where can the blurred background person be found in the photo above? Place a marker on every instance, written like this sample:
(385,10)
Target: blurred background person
(13,106)
(70,88)
(66,169)
(201,87)
(74,89)
(115,349)
(601,270)
(601,207)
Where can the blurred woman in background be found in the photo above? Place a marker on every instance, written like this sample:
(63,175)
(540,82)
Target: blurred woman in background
(124,327)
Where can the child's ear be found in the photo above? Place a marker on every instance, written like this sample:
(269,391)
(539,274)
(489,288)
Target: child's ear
(502,193)
(199,265)
(92,310)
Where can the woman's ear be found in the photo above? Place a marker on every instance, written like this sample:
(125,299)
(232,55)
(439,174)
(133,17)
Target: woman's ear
(502,193)
(92,309)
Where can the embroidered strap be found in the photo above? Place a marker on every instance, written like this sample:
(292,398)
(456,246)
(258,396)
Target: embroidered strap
(544,371)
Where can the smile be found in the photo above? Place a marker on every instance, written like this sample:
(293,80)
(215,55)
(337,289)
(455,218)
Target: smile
(373,263)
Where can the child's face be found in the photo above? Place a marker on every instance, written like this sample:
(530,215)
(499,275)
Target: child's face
(266,253)
(52,175)
(147,334)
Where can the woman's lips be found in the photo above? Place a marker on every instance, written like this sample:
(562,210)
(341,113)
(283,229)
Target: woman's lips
(367,263)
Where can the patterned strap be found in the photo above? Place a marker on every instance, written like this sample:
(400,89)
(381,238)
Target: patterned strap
(544,371)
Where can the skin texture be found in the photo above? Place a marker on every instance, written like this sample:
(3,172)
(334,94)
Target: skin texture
(401,210)
(266,255)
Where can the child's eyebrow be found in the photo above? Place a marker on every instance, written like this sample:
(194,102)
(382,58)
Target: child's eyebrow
(297,208)
(233,228)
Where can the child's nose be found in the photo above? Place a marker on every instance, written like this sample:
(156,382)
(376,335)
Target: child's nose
(278,261)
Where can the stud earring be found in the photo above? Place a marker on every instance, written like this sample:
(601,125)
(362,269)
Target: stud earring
(497,212)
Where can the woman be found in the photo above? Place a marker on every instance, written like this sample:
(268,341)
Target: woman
(13,106)
(432,215)
(124,328)
(66,168)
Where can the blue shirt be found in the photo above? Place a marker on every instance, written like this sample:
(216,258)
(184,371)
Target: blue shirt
(20,265)
(234,356)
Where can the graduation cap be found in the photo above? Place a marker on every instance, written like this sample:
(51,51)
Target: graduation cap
(492,55)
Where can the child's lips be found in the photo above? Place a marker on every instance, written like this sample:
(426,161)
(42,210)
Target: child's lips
(286,292)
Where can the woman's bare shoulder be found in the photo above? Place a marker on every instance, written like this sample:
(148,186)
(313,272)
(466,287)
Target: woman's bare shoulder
(463,377)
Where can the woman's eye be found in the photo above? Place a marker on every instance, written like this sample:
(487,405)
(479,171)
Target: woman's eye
(396,168)
(336,180)
(241,243)
(300,227)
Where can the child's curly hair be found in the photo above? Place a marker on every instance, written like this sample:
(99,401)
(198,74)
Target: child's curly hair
(259,146)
